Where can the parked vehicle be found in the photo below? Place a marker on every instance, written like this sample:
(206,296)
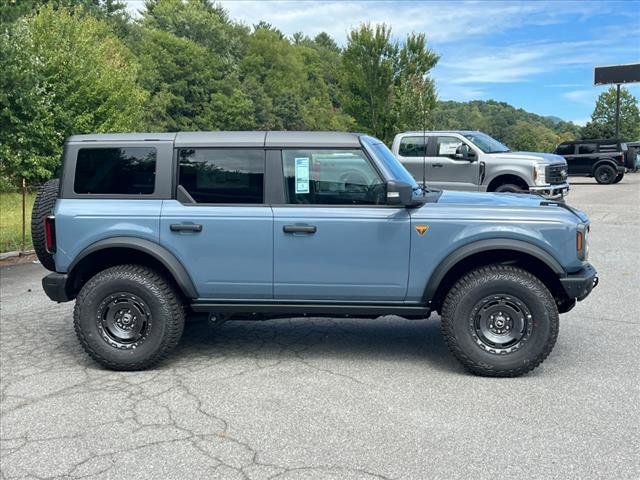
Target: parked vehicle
(602,159)
(474,161)
(633,156)
(143,228)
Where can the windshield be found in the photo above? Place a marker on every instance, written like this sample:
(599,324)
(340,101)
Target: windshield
(389,161)
(485,143)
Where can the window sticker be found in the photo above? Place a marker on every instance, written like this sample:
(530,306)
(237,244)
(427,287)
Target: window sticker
(449,147)
(302,175)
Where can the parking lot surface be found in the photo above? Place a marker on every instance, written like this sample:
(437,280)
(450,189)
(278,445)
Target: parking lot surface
(336,399)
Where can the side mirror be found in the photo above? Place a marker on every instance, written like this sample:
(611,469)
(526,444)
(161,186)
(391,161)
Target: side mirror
(463,152)
(400,193)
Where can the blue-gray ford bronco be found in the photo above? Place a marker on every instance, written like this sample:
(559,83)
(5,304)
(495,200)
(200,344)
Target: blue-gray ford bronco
(143,229)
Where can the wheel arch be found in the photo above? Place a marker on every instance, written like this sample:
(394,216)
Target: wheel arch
(604,161)
(485,252)
(118,251)
(503,178)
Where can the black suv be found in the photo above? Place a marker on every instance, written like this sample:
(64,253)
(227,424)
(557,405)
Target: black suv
(602,159)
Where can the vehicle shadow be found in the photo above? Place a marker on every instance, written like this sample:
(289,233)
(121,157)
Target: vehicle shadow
(384,339)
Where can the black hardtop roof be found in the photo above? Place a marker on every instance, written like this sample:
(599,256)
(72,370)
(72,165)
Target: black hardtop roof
(231,139)
(592,140)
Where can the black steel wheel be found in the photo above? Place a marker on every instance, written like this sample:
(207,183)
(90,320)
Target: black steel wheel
(605,174)
(500,321)
(128,317)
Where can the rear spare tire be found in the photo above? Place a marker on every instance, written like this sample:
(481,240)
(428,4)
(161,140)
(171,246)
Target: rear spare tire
(43,207)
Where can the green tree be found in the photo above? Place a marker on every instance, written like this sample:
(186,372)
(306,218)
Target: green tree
(381,80)
(603,118)
(66,73)
(531,137)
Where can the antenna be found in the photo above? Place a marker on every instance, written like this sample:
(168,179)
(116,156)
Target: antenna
(424,143)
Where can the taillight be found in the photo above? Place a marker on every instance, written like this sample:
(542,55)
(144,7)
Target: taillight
(50,234)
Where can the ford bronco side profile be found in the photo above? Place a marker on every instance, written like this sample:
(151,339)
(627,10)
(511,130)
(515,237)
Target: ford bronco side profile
(143,228)
(474,161)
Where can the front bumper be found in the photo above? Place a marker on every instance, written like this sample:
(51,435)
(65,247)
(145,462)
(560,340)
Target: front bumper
(579,284)
(55,286)
(552,192)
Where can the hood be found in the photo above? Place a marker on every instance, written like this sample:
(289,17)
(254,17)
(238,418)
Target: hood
(532,156)
(484,199)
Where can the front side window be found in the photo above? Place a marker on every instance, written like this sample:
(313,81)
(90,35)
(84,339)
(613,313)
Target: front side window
(331,177)
(115,171)
(486,143)
(222,175)
(413,147)
(447,146)
(587,148)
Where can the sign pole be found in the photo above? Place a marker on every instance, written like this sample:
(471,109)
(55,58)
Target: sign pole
(617,111)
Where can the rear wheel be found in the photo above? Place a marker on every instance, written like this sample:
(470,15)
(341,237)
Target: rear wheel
(618,178)
(605,174)
(128,317)
(500,321)
(42,208)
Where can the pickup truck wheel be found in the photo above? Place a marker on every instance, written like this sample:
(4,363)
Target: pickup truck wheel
(128,317)
(605,174)
(618,178)
(42,208)
(500,321)
(510,187)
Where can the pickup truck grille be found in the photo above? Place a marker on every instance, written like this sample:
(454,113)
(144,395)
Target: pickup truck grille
(556,174)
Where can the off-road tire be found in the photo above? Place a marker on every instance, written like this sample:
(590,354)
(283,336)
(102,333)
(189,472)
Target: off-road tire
(166,317)
(605,174)
(618,178)
(458,320)
(510,188)
(42,208)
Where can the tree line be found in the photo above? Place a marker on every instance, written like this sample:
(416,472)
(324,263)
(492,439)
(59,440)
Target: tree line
(78,66)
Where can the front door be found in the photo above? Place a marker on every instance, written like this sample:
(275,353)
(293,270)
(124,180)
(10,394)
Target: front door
(445,171)
(218,226)
(335,238)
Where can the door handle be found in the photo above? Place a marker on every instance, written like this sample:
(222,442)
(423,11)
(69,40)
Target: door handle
(437,164)
(299,229)
(185,227)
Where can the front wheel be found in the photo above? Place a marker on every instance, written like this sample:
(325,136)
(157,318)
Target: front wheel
(510,188)
(128,317)
(500,321)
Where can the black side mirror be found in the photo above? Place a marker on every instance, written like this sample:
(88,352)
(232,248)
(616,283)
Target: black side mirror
(464,152)
(400,193)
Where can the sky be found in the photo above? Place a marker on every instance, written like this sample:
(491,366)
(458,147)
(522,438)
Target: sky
(535,55)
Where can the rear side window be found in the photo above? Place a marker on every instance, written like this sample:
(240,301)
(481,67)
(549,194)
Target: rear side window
(412,147)
(565,149)
(587,148)
(116,171)
(222,175)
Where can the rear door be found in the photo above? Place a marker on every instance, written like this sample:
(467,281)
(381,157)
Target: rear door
(411,153)
(218,225)
(444,170)
(334,237)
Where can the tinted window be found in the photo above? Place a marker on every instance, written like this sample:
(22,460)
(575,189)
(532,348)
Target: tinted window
(222,176)
(412,147)
(486,143)
(565,149)
(119,171)
(587,148)
(447,146)
(331,177)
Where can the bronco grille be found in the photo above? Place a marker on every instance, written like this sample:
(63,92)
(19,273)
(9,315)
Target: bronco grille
(556,174)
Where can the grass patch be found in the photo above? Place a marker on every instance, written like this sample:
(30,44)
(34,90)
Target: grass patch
(11,221)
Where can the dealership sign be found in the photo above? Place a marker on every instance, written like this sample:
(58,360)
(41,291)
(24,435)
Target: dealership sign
(617,74)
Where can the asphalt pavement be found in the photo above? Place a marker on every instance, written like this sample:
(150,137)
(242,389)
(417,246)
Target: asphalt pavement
(332,399)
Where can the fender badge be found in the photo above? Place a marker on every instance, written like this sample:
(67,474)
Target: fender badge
(421,229)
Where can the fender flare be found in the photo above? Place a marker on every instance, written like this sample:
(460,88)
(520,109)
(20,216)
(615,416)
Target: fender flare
(603,161)
(479,246)
(159,253)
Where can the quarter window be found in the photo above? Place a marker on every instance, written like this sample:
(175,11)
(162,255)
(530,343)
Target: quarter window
(587,148)
(412,147)
(331,177)
(115,171)
(222,175)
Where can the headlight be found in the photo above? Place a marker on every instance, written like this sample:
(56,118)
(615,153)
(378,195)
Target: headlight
(582,241)
(539,174)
